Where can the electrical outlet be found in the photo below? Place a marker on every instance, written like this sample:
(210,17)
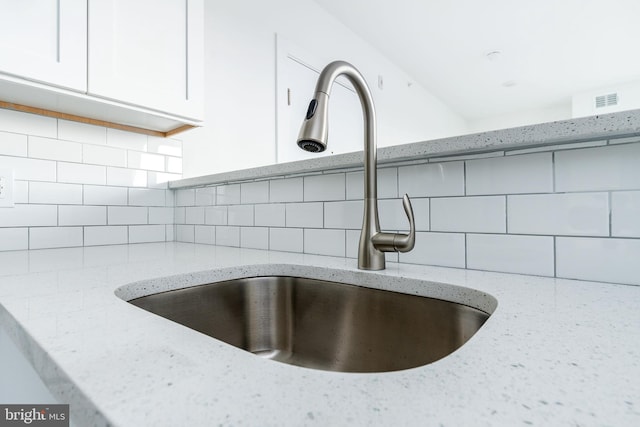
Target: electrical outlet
(6,188)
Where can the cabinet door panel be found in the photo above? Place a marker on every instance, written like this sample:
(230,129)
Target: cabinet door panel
(45,41)
(142,52)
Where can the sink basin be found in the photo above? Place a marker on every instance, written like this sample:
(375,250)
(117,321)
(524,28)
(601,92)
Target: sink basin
(320,324)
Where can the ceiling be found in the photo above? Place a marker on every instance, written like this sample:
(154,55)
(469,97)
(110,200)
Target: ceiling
(550,49)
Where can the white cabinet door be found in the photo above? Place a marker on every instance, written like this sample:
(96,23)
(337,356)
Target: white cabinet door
(148,53)
(45,41)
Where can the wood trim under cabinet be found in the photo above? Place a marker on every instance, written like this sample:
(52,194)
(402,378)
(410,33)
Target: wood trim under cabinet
(96,122)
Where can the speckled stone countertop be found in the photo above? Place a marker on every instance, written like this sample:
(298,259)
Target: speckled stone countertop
(603,126)
(554,352)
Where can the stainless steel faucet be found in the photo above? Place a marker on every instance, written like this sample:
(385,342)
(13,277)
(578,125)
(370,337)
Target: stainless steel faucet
(313,137)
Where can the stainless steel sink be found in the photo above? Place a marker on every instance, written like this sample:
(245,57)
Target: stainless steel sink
(320,324)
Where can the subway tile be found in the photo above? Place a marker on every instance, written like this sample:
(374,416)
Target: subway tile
(82,215)
(126,215)
(432,180)
(146,233)
(54,149)
(185,233)
(126,177)
(216,215)
(173,164)
(30,124)
(81,174)
(161,215)
(81,132)
(286,190)
(14,239)
(29,169)
(123,139)
(180,215)
(194,215)
(441,249)
(185,197)
(576,214)
(170,232)
(324,242)
(146,161)
(29,216)
(103,155)
(324,187)
(205,234)
(205,196)
(271,215)
(228,236)
(169,198)
(347,214)
(481,214)
(146,197)
(254,237)
(160,179)
(169,147)
(304,215)
(101,195)
(107,235)
(387,184)
(286,239)
(21,191)
(614,167)
(55,237)
(625,214)
(228,194)
(531,173)
(393,217)
(240,215)
(13,144)
(254,192)
(511,254)
(55,193)
(604,259)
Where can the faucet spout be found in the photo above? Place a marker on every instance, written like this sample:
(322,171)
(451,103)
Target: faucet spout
(313,137)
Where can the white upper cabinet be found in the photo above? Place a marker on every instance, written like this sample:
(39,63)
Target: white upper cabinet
(148,53)
(45,41)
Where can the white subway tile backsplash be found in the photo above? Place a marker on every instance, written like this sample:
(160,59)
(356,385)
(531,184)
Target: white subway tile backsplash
(174,164)
(14,239)
(614,167)
(13,144)
(270,215)
(441,249)
(625,214)
(393,217)
(170,232)
(606,260)
(324,187)
(29,169)
(481,214)
(304,215)
(205,196)
(29,216)
(101,195)
(146,233)
(387,184)
(228,236)
(180,215)
(185,197)
(20,192)
(286,190)
(30,124)
(81,174)
(254,237)
(169,147)
(119,215)
(511,253)
(55,237)
(81,132)
(185,233)
(146,197)
(228,194)
(254,192)
(126,177)
(324,242)
(205,234)
(55,193)
(132,141)
(54,149)
(575,214)
(160,179)
(432,180)
(286,239)
(346,215)
(107,235)
(531,173)
(216,215)
(194,215)
(161,215)
(82,215)
(103,155)
(240,215)
(146,161)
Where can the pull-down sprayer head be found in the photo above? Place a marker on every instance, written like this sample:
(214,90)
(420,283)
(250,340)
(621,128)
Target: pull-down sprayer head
(314,130)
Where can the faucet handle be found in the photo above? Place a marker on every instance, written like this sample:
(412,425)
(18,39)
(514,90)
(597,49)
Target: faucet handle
(398,242)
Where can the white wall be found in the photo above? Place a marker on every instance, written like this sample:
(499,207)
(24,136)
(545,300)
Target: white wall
(240,79)
(583,104)
(552,113)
